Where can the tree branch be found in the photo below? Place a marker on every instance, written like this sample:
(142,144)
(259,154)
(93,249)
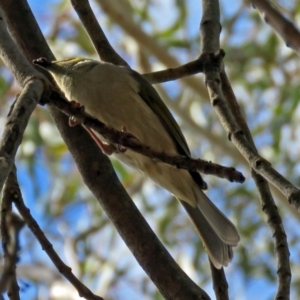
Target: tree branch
(11,224)
(25,104)
(121,16)
(127,140)
(281,25)
(105,51)
(267,202)
(234,123)
(238,138)
(14,59)
(220,284)
(210,29)
(191,68)
(15,126)
(15,195)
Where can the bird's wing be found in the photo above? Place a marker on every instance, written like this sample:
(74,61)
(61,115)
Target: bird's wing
(153,100)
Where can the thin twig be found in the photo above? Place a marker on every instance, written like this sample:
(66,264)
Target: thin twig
(15,126)
(105,51)
(268,205)
(188,69)
(16,196)
(11,224)
(127,140)
(234,123)
(220,284)
(14,59)
(210,28)
(21,111)
(281,25)
(238,138)
(125,20)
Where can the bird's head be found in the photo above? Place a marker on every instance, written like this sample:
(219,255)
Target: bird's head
(60,66)
(64,71)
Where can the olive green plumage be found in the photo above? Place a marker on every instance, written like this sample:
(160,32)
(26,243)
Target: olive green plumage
(121,98)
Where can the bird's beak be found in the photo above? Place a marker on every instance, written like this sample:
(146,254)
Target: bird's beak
(43,62)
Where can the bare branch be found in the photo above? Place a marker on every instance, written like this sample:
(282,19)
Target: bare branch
(14,59)
(280,239)
(281,25)
(239,139)
(210,29)
(15,125)
(25,104)
(15,195)
(234,123)
(268,205)
(191,68)
(105,51)
(122,17)
(127,140)
(16,14)
(220,284)
(237,136)
(11,225)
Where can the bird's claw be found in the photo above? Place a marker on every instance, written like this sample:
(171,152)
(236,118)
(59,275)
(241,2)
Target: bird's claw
(106,148)
(121,148)
(73,120)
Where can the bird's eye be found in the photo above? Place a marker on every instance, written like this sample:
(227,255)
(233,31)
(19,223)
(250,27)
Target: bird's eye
(42,61)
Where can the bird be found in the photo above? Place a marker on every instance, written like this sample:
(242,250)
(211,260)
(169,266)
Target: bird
(123,99)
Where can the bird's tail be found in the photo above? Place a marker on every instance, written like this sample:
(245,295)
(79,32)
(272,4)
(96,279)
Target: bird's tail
(218,234)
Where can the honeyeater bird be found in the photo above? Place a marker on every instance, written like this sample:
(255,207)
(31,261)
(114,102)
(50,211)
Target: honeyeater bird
(122,98)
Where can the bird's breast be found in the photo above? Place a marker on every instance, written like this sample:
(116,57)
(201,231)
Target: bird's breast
(119,105)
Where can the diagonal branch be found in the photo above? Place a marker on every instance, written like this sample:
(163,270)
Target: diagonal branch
(24,105)
(220,284)
(15,126)
(16,196)
(11,224)
(268,205)
(281,25)
(105,51)
(239,139)
(126,22)
(234,123)
(127,140)
(188,69)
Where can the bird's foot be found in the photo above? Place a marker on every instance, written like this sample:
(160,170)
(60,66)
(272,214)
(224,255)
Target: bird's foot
(121,148)
(106,148)
(73,121)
